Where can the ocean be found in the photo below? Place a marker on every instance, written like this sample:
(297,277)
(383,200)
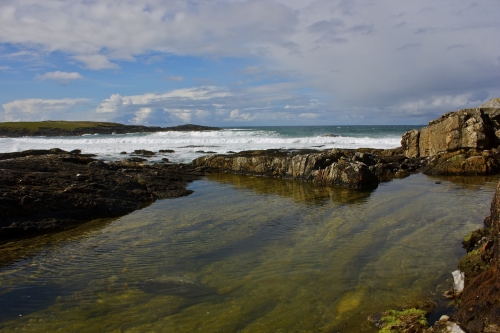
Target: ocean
(189,145)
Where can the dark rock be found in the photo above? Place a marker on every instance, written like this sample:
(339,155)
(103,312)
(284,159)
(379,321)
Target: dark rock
(166,151)
(123,153)
(44,191)
(143,152)
(136,159)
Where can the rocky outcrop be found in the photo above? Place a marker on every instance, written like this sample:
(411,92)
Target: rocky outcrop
(477,129)
(54,190)
(467,128)
(322,167)
(480,299)
(343,167)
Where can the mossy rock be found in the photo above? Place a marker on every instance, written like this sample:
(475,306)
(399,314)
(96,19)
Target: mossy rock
(471,241)
(410,320)
(474,263)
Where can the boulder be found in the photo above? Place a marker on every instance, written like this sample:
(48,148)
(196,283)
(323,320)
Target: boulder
(467,128)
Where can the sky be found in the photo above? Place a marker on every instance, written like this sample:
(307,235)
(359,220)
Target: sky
(246,63)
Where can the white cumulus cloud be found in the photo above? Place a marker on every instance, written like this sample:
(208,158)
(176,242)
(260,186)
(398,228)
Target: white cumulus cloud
(61,77)
(41,109)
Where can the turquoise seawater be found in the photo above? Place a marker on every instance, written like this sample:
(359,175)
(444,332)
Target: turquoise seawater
(247,254)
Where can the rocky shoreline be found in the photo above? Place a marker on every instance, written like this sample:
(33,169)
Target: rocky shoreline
(50,190)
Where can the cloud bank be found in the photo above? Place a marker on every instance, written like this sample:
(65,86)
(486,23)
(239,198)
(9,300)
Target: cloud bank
(403,60)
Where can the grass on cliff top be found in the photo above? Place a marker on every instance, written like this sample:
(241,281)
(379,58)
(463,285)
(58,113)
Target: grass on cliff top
(34,126)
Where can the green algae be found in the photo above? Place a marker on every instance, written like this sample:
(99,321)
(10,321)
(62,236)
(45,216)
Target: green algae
(396,321)
(273,255)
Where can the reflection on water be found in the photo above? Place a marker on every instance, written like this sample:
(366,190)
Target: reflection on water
(247,254)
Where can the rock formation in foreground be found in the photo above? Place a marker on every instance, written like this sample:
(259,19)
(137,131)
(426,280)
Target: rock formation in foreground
(47,190)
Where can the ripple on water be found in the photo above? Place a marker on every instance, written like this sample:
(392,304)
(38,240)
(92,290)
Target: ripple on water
(246,254)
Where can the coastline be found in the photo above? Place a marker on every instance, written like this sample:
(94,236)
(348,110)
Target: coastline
(83,183)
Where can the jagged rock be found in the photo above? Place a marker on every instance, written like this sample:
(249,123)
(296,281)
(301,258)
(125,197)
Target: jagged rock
(333,167)
(409,143)
(467,128)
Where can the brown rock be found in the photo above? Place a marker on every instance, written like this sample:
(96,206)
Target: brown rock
(462,163)
(409,142)
(330,167)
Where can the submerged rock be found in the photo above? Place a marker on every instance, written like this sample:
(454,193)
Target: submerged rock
(176,287)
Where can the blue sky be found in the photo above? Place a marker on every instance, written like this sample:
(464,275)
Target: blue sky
(257,62)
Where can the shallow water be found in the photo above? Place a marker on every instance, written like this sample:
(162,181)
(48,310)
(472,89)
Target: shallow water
(246,254)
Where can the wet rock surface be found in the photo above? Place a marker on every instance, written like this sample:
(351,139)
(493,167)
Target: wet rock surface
(360,168)
(47,190)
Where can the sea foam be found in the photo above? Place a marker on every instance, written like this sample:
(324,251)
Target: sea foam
(188,145)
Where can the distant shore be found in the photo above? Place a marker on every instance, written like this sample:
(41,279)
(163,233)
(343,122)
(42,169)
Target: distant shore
(75,128)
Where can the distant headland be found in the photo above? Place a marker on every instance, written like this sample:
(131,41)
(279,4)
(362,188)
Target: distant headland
(72,128)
